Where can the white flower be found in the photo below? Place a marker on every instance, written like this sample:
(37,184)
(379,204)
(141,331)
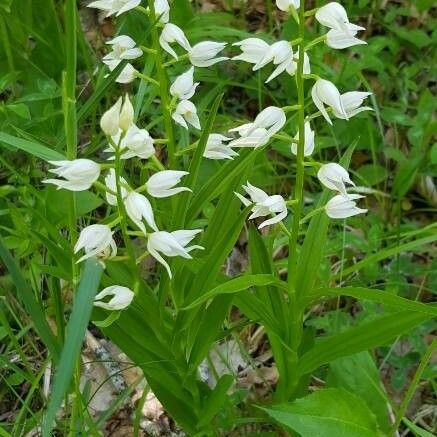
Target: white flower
(119,116)
(162,10)
(352,102)
(162,184)
(216,149)
(123,47)
(253,50)
(271,118)
(326,93)
(309,141)
(138,208)
(204,53)
(281,54)
(121,298)
(334,16)
(334,177)
(184,87)
(264,205)
(79,174)
(250,138)
(339,39)
(171,34)
(287,5)
(186,112)
(127,75)
(114,6)
(341,207)
(171,244)
(97,241)
(138,143)
(111,185)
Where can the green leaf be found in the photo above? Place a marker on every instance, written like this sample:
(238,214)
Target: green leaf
(329,413)
(32,147)
(33,308)
(235,285)
(416,429)
(380,296)
(360,338)
(358,374)
(373,174)
(75,333)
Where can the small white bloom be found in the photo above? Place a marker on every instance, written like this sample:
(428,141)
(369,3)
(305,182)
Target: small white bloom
(339,39)
(309,141)
(334,177)
(162,10)
(162,184)
(79,174)
(114,6)
(186,112)
(97,241)
(138,208)
(287,5)
(121,298)
(264,205)
(171,244)
(184,87)
(119,116)
(127,75)
(271,118)
(352,102)
(204,53)
(253,138)
(173,34)
(123,47)
(334,16)
(253,50)
(111,185)
(341,207)
(217,149)
(326,93)
(136,143)
(281,54)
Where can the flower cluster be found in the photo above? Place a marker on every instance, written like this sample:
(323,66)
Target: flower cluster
(126,140)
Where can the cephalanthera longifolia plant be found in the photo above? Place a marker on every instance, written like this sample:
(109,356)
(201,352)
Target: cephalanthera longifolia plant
(167,318)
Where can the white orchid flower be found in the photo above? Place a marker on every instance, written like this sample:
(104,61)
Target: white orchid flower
(271,118)
(326,93)
(184,86)
(352,102)
(217,149)
(123,47)
(251,138)
(339,39)
(135,143)
(334,177)
(186,113)
(334,16)
(97,241)
(121,298)
(119,116)
(117,7)
(253,50)
(79,174)
(138,208)
(264,205)
(204,53)
(162,184)
(288,5)
(281,54)
(171,244)
(162,10)
(309,141)
(111,185)
(341,206)
(173,34)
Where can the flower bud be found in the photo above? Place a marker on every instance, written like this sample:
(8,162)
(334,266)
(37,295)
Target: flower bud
(341,207)
(334,177)
(162,184)
(111,119)
(121,298)
(126,114)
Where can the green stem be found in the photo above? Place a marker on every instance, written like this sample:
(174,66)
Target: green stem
(163,90)
(146,78)
(315,42)
(413,386)
(296,315)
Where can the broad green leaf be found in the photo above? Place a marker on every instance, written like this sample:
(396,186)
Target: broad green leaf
(75,333)
(360,338)
(35,311)
(329,412)
(32,147)
(380,296)
(358,374)
(238,284)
